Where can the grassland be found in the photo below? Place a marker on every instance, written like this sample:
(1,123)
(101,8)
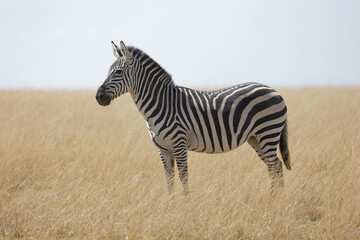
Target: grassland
(70,168)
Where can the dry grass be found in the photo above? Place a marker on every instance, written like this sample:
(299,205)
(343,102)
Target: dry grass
(70,168)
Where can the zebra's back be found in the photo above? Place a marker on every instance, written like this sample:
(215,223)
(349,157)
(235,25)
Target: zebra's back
(221,120)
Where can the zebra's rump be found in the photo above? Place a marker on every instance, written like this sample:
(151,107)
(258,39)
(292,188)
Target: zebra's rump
(221,120)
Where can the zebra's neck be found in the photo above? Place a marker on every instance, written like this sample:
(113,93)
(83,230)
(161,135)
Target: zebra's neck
(153,88)
(154,101)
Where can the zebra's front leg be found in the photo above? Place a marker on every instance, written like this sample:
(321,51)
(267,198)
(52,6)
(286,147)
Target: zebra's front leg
(181,162)
(168,162)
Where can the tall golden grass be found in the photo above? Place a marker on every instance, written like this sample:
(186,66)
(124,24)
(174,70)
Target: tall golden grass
(70,168)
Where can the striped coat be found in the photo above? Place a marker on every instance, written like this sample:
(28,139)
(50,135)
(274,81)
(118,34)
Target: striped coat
(181,119)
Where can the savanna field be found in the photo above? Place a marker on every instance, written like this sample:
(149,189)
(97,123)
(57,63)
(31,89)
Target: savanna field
(71,169)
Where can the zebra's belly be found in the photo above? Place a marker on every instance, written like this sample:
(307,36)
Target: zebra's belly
(215,146)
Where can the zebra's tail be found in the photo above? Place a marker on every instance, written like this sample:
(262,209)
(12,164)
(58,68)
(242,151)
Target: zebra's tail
(284,147)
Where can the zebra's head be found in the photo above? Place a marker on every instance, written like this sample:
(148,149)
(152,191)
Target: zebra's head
(118,78)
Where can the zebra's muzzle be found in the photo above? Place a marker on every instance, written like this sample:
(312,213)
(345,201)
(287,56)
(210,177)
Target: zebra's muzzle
(102,98)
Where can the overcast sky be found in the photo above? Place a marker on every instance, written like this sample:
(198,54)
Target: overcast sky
(66,44)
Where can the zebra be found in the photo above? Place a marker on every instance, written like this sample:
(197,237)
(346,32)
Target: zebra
(181,119)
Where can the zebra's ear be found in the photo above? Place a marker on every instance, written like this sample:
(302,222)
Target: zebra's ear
(125,52)
(116,50)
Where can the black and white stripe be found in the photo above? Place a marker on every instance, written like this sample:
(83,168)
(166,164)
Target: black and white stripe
(181,119)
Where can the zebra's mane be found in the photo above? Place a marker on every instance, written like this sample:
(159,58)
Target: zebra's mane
(141,56)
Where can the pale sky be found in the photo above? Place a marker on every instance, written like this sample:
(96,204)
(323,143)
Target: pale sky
(66,44)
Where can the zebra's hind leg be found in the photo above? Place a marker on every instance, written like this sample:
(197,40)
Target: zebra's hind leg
(255,145)
(275,170)
(269,157)
(168,162)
